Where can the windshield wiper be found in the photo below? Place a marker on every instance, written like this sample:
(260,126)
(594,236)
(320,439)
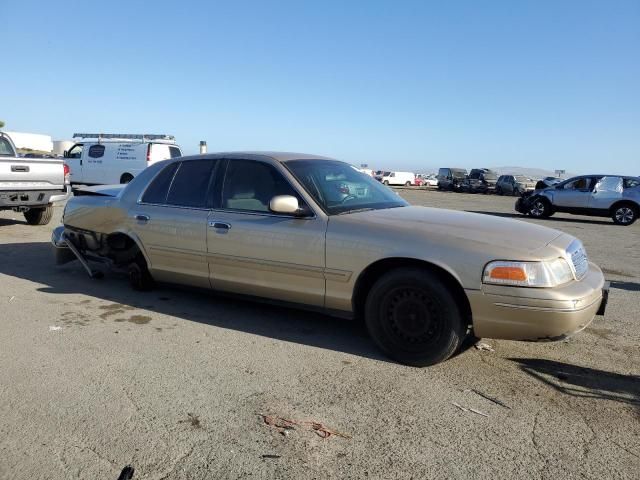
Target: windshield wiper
(355,210)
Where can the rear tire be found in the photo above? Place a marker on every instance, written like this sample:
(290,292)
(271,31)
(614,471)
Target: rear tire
(407,184)
(624,214)
(386,182)
(414,318)
(126,178)
(39,216)
(140,278)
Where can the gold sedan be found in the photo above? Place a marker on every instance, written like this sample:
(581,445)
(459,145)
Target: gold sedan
(316,232)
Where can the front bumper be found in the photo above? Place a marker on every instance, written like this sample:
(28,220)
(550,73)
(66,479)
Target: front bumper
(538,314)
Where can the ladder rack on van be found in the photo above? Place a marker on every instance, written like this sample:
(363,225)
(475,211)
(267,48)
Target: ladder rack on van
(144,137)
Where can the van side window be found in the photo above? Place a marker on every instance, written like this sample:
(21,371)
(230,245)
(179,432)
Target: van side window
(157,191)
(76,151)
(175,152)
(96,151)
(191,183)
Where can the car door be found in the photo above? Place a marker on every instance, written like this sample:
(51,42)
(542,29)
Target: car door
(171,221)
(606,191)
(574,194)
(73,159)
(253,251)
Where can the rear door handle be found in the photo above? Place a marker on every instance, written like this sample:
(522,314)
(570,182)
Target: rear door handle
(142,217)
(219,225)
(19,168)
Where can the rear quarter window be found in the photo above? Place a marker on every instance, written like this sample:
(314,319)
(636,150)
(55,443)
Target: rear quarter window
(175,152)
(159,187)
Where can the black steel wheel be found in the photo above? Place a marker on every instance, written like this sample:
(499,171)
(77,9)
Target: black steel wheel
(414,318)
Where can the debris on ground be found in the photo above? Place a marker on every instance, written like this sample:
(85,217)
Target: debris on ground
(284,425)
(268,455)
(484,346)
(491,399)
(54,328)
(12,298)
(469,409)
(127,473)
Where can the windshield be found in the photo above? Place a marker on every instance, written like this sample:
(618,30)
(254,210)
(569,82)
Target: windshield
(522,179)
(490,176)
(5,148)
(459,173)
(338,188)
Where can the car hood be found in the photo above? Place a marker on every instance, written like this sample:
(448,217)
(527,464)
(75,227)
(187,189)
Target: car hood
(499,233)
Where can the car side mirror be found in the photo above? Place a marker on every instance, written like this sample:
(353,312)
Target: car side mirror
(287,205)
(66,154)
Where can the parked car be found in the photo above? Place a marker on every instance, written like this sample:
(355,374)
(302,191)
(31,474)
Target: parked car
(451,178)
(612,196)
(480,180)
(428,180)
(106,159)
(399,178)
(31,185)
(268,225)
(514,185)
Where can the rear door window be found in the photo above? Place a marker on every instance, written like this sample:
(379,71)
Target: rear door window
(191,184)
(157,191)
(5,148)
(175,152)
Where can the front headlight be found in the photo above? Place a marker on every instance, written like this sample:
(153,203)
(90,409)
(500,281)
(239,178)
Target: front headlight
(528,274)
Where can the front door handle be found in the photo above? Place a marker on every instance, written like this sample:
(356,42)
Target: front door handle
(142,217)
(219,225)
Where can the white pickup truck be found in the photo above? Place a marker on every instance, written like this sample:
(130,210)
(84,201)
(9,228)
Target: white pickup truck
(31,185)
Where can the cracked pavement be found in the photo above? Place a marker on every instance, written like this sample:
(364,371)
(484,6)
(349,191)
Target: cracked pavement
(174,382)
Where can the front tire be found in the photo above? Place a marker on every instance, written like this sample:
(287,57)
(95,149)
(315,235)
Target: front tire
(624,214)
(39,216)
(540,208)
(386,182)
(414,318)
(407,184)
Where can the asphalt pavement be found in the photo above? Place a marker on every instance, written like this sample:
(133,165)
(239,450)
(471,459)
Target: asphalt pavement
(189,385)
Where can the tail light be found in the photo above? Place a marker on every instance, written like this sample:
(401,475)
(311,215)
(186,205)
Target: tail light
(149,153)
(67,173)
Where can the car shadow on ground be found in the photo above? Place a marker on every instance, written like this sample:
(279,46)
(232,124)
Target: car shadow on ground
(629,286)
(583,382)
(34,262)
(9,221)
(550,219)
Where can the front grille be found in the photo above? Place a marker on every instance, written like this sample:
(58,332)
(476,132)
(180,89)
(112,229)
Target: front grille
(579,259)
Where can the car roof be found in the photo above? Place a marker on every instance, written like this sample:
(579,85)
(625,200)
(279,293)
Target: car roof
(253,155)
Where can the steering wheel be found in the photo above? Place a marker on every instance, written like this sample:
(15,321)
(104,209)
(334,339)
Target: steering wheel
(348,197)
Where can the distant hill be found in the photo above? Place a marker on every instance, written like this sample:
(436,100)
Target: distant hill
(535,173)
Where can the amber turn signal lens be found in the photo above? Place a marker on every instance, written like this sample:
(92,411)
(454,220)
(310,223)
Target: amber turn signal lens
(508,273)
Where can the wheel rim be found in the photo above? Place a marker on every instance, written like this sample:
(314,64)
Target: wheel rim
(412,318)
(624,215)
(537,209)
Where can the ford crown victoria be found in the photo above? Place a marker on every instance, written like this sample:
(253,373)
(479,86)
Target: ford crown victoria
(281,226)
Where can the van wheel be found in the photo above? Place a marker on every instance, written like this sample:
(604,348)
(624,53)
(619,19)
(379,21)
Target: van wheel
(39,216)
(540,208)
(126,178)
(386,182)
(140,278)
(413,317)
(624,214)
(407,184)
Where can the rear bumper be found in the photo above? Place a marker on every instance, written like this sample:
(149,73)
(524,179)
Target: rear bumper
(33,198)
(544,314)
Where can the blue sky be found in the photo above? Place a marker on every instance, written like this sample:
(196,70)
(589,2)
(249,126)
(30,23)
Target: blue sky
(395,84)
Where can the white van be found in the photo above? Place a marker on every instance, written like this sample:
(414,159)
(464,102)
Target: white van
(106,159)
(399,178)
